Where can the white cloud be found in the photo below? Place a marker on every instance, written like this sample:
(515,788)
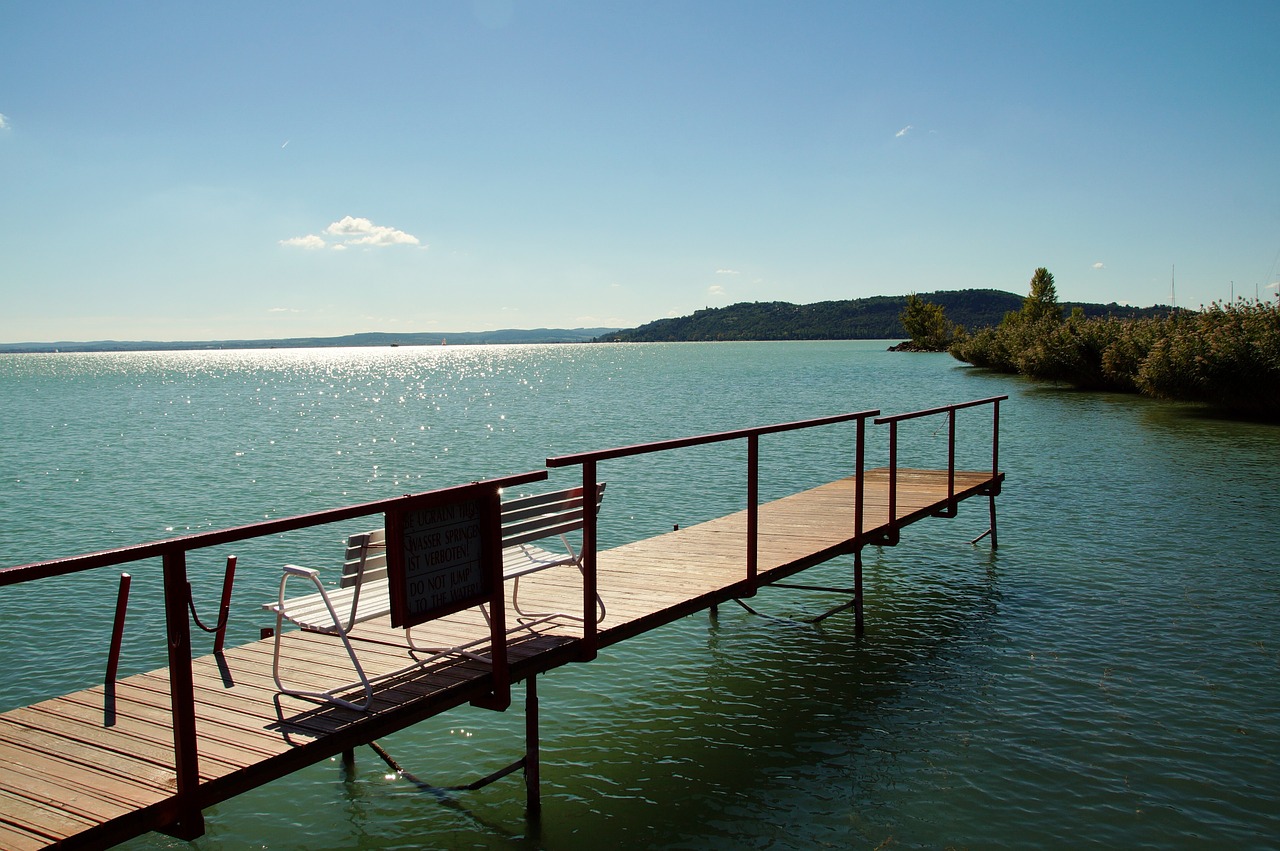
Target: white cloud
(349,225)
(283,310)
(1099,265)
(309,241)
(4,121)
(904,131)
(364,232)
(716,289)
(727,272)
(352,230)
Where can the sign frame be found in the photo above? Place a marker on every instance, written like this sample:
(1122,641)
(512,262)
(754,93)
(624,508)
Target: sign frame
(444,553)
(474,511)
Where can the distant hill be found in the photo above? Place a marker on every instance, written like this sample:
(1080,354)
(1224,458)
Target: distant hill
(874,318)
(434,338)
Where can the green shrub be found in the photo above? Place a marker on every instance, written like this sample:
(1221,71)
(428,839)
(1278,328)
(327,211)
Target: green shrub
(1225,356)
(1228,357)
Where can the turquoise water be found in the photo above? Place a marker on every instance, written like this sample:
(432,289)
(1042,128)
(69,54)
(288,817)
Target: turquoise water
(1107,678)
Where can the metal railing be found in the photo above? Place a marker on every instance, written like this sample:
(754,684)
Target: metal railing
(950,410)
(590,461)
(173,555)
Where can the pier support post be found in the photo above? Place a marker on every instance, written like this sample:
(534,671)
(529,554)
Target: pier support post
(992,499)
(532,764)
(859,624)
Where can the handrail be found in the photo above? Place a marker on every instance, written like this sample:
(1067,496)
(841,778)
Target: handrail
(177,589)
(698,440)
(200,540)
(950,410)
(590,460)
(941,409)
(173,553)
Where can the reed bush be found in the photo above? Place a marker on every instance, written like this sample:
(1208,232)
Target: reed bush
(1227,356)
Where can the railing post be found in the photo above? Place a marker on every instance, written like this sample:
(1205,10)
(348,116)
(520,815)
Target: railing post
(995,438)
(951,462)
(117,629)
(753,508)
(224,608)
(995,468)
(859,483)
(893,474)
(190,821)
(113,654)
(589,579)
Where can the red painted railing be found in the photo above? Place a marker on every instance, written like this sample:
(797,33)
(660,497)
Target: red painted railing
(188,821)
(591,460)
(173,555)
(950,410)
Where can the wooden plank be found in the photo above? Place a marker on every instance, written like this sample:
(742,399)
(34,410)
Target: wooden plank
(127,768)
(48,822)
(17,838)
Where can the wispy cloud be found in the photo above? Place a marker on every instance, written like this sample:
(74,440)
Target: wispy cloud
(716,290)
(1099,265)
(350,231)
(904,131)
(309,241)
(727,272)
(4,121)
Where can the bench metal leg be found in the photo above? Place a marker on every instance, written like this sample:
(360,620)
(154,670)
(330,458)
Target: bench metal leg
(330,695)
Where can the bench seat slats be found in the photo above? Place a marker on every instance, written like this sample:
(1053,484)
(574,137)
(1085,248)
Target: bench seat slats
(525,559)
(310,611)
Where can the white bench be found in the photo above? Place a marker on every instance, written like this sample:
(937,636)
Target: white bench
(363,592)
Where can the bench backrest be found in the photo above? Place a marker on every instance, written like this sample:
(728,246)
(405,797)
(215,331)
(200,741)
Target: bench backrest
(369,548)
(531,518)
(524,519)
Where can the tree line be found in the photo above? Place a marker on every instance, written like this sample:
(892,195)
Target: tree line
(874,318)
(1225,355)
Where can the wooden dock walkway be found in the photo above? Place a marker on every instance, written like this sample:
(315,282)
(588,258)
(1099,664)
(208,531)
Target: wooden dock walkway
(68,780)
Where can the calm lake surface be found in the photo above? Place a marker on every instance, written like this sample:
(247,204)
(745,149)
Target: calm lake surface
(1108,677)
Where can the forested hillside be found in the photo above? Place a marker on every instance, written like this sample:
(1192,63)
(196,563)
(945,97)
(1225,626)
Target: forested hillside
(874,318)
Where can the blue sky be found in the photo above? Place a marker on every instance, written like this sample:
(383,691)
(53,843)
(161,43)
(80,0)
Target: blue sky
(189,171)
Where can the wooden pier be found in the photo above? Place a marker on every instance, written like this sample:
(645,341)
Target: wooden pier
(186,737)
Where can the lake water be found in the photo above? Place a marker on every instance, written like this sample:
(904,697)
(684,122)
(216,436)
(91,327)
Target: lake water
(1108,677)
